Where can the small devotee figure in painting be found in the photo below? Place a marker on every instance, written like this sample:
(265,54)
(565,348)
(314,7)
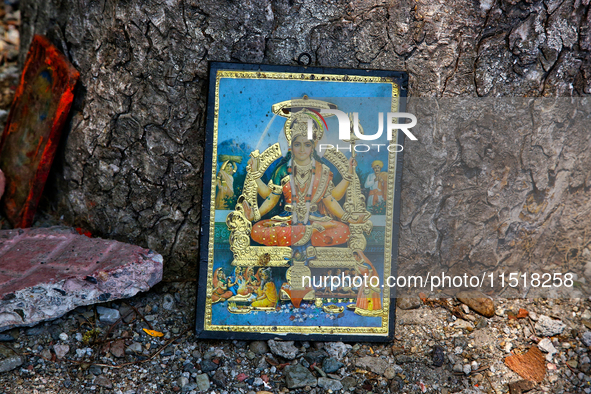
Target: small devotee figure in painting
(369,300)
(221,286)
(377,185)
(266,294)
(225,182)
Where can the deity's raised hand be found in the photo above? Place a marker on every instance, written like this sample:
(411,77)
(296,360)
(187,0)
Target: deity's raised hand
(247,210)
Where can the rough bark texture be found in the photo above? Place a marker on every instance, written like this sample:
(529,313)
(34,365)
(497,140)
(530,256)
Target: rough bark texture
(131,165)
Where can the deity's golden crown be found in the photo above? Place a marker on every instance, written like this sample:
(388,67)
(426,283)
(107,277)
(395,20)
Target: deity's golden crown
(297,112)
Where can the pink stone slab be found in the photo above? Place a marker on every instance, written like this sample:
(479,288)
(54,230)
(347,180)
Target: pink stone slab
(46,272)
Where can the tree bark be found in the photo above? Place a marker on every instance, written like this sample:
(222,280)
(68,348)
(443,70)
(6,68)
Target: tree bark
(131,165)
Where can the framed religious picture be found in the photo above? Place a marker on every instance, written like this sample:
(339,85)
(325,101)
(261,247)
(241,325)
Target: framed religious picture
(300,203)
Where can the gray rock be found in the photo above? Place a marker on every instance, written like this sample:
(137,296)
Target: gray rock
(259,347)
(202,381)
(458,368)
(285,349)
(316,356)
(463,324)
(337,349)
(403,359)
(169,351)
(548,327)
(348,382)
(61,350)
(127,313)
(330,365)
(35,331)
(134,347)
(534,316)
(118,348)
(6,338)
(182,381)
(407,303)
(546,346)
(220,378)
(297,376)
(329,384)
(586,338)
(438,356)
(374,364)
(168,302)
(103,381)
(107,315)
(305,363)
(467,368)
(392,370)
(482,338)
(46,354)
(207,365)
(191,387)
(262,364)
(95,370)
(9,360)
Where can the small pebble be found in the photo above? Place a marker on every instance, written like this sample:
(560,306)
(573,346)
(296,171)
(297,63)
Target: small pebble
(467,369)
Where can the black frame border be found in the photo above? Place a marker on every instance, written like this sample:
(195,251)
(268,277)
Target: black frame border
(402,80)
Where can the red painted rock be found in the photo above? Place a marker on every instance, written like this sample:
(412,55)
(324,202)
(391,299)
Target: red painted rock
(46,272)
(32,133)
(2,183)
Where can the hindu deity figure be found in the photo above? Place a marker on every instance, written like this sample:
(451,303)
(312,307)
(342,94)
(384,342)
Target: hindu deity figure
(291,214)
(302,187)
(266,294)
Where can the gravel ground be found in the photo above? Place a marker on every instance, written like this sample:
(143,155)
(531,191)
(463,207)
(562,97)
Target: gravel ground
(85,352)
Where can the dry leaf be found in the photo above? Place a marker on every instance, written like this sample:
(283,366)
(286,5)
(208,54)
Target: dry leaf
(423,297)
(153,333)
(522,313)
(530,366)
